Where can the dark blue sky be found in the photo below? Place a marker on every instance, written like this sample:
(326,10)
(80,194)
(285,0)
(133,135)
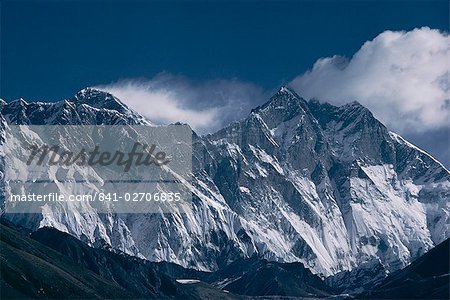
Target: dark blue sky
(50,49)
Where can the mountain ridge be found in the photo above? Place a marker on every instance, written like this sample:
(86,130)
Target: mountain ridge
(294,181)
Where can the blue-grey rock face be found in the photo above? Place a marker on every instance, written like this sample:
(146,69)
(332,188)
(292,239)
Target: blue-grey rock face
(328,186)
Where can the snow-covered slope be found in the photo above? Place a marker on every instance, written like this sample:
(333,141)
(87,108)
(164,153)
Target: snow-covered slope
(328,186)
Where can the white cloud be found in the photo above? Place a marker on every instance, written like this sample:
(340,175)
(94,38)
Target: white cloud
(402,77)
(206,106)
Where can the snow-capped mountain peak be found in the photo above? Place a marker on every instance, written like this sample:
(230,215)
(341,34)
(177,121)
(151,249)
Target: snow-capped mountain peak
(100,99)
(328,186)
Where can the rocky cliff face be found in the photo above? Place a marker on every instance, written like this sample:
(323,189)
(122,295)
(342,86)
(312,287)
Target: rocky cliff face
(327,186)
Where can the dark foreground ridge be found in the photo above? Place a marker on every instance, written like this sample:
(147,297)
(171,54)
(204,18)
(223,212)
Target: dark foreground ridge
(66,268)
(52,264)
(426,278)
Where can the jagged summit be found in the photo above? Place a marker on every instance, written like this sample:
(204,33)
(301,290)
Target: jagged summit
(100,99)
(283,95)
(348,113)
(93,93)
(19,101)
(288,90)
(354,103)
(284,105)
(90,90)
(88,106)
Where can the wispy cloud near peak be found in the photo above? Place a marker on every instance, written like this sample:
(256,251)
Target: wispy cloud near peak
(206,106)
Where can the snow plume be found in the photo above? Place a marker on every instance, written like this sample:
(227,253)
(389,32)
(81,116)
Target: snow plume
(402,77)
(206,106)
